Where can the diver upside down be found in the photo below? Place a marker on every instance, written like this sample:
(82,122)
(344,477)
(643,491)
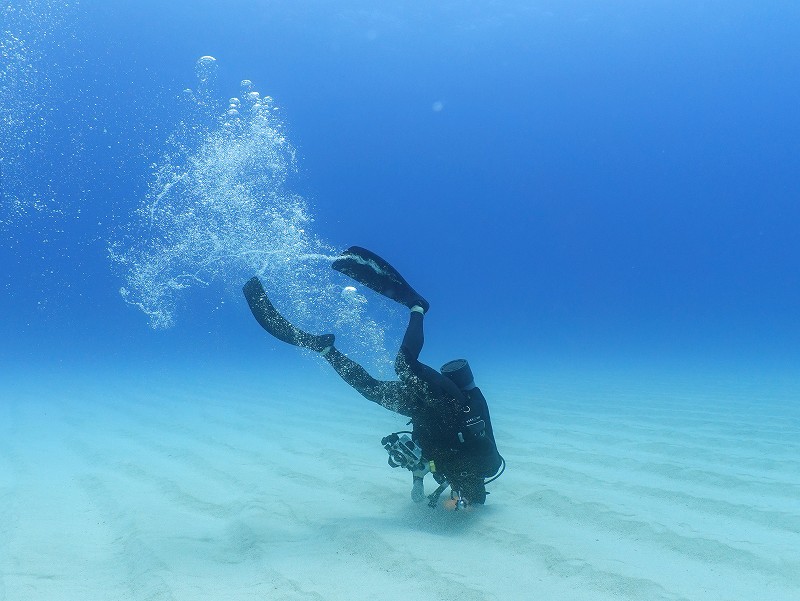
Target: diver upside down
(452,436)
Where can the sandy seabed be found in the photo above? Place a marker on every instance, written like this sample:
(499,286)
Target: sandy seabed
(274,488)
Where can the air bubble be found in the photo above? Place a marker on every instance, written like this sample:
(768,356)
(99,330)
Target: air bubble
(29,31)
(220,209)
(206,68)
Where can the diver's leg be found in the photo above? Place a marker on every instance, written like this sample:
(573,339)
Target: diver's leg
(385,394)
(391,395)
(414,337)
(425,381)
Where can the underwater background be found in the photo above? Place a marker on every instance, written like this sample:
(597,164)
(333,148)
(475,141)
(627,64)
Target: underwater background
(598,198)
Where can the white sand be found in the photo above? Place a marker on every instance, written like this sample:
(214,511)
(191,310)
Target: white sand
(268,488)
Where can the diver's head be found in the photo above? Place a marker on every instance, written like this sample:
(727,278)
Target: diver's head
(459,372)
(469,490)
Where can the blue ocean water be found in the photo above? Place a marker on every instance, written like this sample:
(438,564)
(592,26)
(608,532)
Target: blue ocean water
(595,197)
(561,179)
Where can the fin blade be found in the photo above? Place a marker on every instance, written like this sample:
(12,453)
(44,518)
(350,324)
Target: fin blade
(276,324)
(377,274)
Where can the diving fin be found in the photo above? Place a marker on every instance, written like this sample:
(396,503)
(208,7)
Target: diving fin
(369,269)
(276,324)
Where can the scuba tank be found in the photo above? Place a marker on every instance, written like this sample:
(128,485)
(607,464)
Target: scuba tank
(476,425)
(475,412)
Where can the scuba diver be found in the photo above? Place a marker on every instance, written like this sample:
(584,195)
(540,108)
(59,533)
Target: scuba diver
(452,434)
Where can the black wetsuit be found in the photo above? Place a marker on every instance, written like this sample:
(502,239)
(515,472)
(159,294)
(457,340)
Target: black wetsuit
(436,407)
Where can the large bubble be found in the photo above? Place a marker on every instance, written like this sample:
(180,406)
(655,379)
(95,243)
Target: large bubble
(219,210)
(205,68)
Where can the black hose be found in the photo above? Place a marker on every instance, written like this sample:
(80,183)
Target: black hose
(498,474)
